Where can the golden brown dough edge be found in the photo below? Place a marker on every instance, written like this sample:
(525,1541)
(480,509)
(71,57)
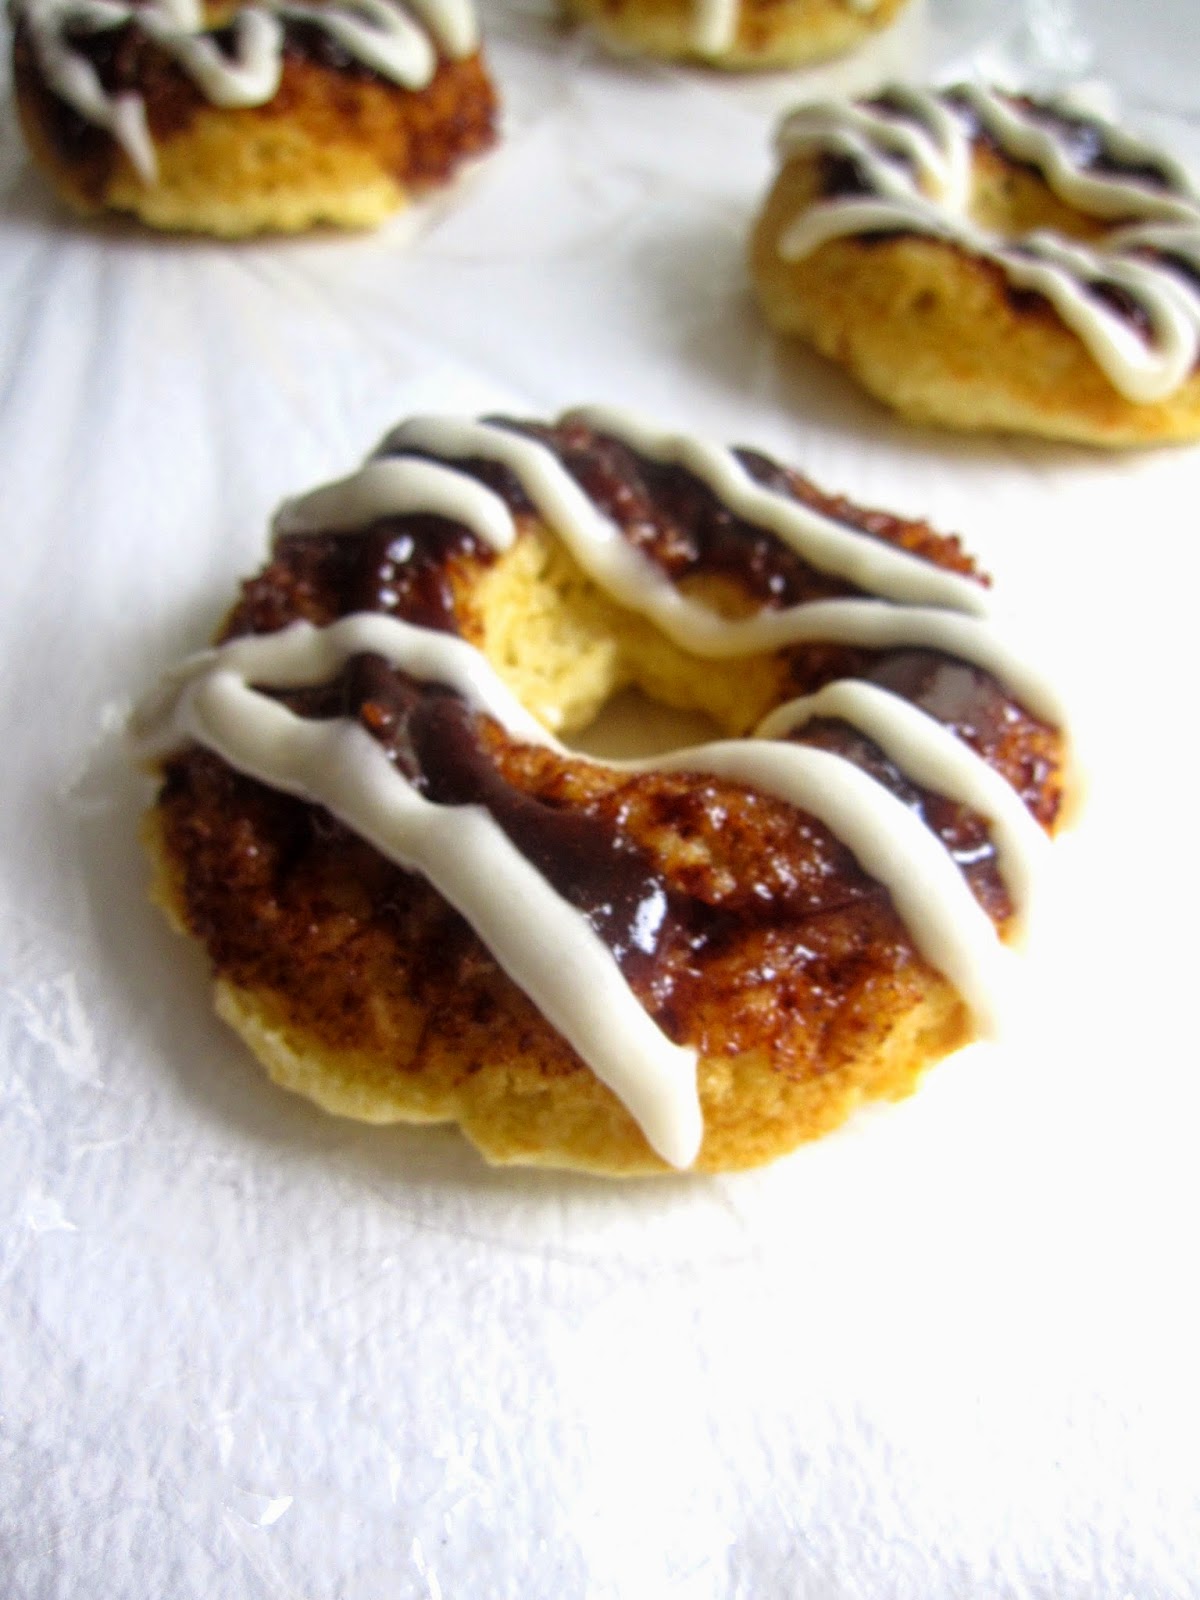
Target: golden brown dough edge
(322,152)
(770,33)
(935,334)
(532,1104)
(371,1041)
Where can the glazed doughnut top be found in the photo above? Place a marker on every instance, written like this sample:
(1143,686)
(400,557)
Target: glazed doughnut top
(1128,286)
(348,677)
(236,60)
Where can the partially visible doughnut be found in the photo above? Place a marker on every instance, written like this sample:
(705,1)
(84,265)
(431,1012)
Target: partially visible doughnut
(981,259)
(420,906)
(274,115)
(736,34)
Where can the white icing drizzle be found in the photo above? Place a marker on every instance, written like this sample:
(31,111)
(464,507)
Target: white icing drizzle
(715,23)
(714,26)
(890,842)
(914,154)
(546,947)
(74,79)
(250,77)
(301,656)
(389,488)
(543,943)
(381,34)
(629,577)
(930,755)
(825,543)
(597,544)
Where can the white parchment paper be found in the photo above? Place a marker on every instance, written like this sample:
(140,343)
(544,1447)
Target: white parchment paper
(251,1351)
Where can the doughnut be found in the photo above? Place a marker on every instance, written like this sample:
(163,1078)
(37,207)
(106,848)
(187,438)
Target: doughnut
(275,115)
(987,260)
(735,34)
(421,904)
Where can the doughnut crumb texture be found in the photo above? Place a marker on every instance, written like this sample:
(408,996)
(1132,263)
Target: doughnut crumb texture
(420,904)
(265,117)
(737,35)
(984,260)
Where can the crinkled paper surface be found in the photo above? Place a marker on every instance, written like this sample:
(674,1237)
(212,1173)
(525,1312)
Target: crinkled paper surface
(251,1351)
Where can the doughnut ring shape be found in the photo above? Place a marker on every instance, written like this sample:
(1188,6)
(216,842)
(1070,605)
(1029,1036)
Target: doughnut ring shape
(420,904)
(275,115)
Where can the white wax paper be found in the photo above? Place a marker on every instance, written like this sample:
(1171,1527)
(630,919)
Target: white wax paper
(252,1351)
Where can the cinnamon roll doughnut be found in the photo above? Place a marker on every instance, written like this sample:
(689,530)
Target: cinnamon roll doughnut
(735,34)
(231,119)
(420,904)
(981,259)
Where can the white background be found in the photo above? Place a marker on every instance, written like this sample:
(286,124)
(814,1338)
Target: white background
(251,1351)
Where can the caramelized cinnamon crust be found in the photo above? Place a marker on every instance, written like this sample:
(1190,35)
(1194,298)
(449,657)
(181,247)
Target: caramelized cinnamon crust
(778,958)
(336,144)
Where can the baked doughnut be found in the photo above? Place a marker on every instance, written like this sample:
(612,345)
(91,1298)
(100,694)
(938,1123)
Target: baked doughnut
(989,260)
(737,34)
(420,905)
(233,119)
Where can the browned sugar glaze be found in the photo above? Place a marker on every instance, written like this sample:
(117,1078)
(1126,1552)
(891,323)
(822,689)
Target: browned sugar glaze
(738,921)
(421,136)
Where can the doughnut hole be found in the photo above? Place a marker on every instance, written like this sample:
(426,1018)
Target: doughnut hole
(566,649)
